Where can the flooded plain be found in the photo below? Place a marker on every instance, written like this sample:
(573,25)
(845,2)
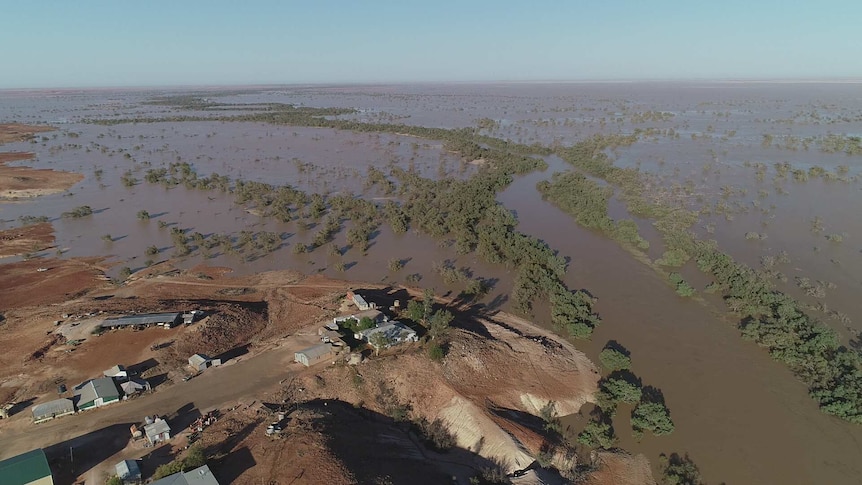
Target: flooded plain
(741,416)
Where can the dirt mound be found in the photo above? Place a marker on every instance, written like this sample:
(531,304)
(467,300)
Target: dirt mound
(478,391)
(12,132)
(231,326)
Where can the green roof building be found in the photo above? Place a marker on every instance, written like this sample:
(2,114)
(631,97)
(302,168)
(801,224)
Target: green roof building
(31,468)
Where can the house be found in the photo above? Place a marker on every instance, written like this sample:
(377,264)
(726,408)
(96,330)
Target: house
(394,332)
(128,472)
(358,301)
(118,372)
(374,315)
(52,409)
(96,392)
(200,362)
(166,320)
(134,386)
(30,468)
(198,476)
(157,431)
(313,355)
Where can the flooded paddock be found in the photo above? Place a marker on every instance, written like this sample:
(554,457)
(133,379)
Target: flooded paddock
(742,417)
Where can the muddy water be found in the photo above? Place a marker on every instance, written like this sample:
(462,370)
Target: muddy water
(742,417)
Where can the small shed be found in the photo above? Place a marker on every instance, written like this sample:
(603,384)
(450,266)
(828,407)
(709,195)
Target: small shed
(313,355)
(201,362)
(134,385)
(376,316)
(157,431)
(129,472)
(358,301)
(52,409)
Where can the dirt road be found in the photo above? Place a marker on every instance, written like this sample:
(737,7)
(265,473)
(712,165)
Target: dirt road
(246,378)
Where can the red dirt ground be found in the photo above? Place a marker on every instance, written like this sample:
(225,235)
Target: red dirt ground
(20,240)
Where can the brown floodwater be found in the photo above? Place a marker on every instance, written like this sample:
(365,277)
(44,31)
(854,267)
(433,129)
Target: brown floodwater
(742,417)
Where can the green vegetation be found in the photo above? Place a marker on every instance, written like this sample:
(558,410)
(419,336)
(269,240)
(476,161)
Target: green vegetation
(77,212)
(30,220)
(194,458)
(598,434)
(151,251)
(143,215)
(613,359)
(125,272)
(436,352)
(651,416)
(673,258)
(615,389)
(114,480)
(677,470)
(107,238)
(682,287)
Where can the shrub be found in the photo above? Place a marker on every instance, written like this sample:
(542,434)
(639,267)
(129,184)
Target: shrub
(651,416)
(436,352)
(143,215)
(612,359)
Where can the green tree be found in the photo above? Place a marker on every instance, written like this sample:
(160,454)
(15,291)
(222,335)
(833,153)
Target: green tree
(613,359)
(151,251)
(125,272)
(143,215)
(651,416)
(379,341)
(415,311)
(613,390)
(598,434)
(678,470)
(438,324)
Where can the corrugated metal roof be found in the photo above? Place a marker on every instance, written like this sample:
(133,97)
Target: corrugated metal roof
(198,476)
(25,468)
(393,330)
(316,351)
(157,428)
(128,470)
(57,406)
(198,359)
(95,388)
(142,319)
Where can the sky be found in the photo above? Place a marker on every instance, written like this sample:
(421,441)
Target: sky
(215,42)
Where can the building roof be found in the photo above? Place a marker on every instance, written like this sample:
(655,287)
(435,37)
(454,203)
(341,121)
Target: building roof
(128,470)
(198,359)
(157,428)
(393,330)
(142,319)
(134,385)
(198,476)
(25,468)
(57,406)
(116,370)
(372,314)
(316,351)
(93,389)
(358,300)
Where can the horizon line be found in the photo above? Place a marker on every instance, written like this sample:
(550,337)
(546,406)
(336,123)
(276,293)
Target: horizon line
(723,80)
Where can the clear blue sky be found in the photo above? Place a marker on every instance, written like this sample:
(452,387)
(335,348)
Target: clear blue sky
(140,43)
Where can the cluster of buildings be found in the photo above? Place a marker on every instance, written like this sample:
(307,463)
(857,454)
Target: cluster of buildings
(115,384)
(379,332)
